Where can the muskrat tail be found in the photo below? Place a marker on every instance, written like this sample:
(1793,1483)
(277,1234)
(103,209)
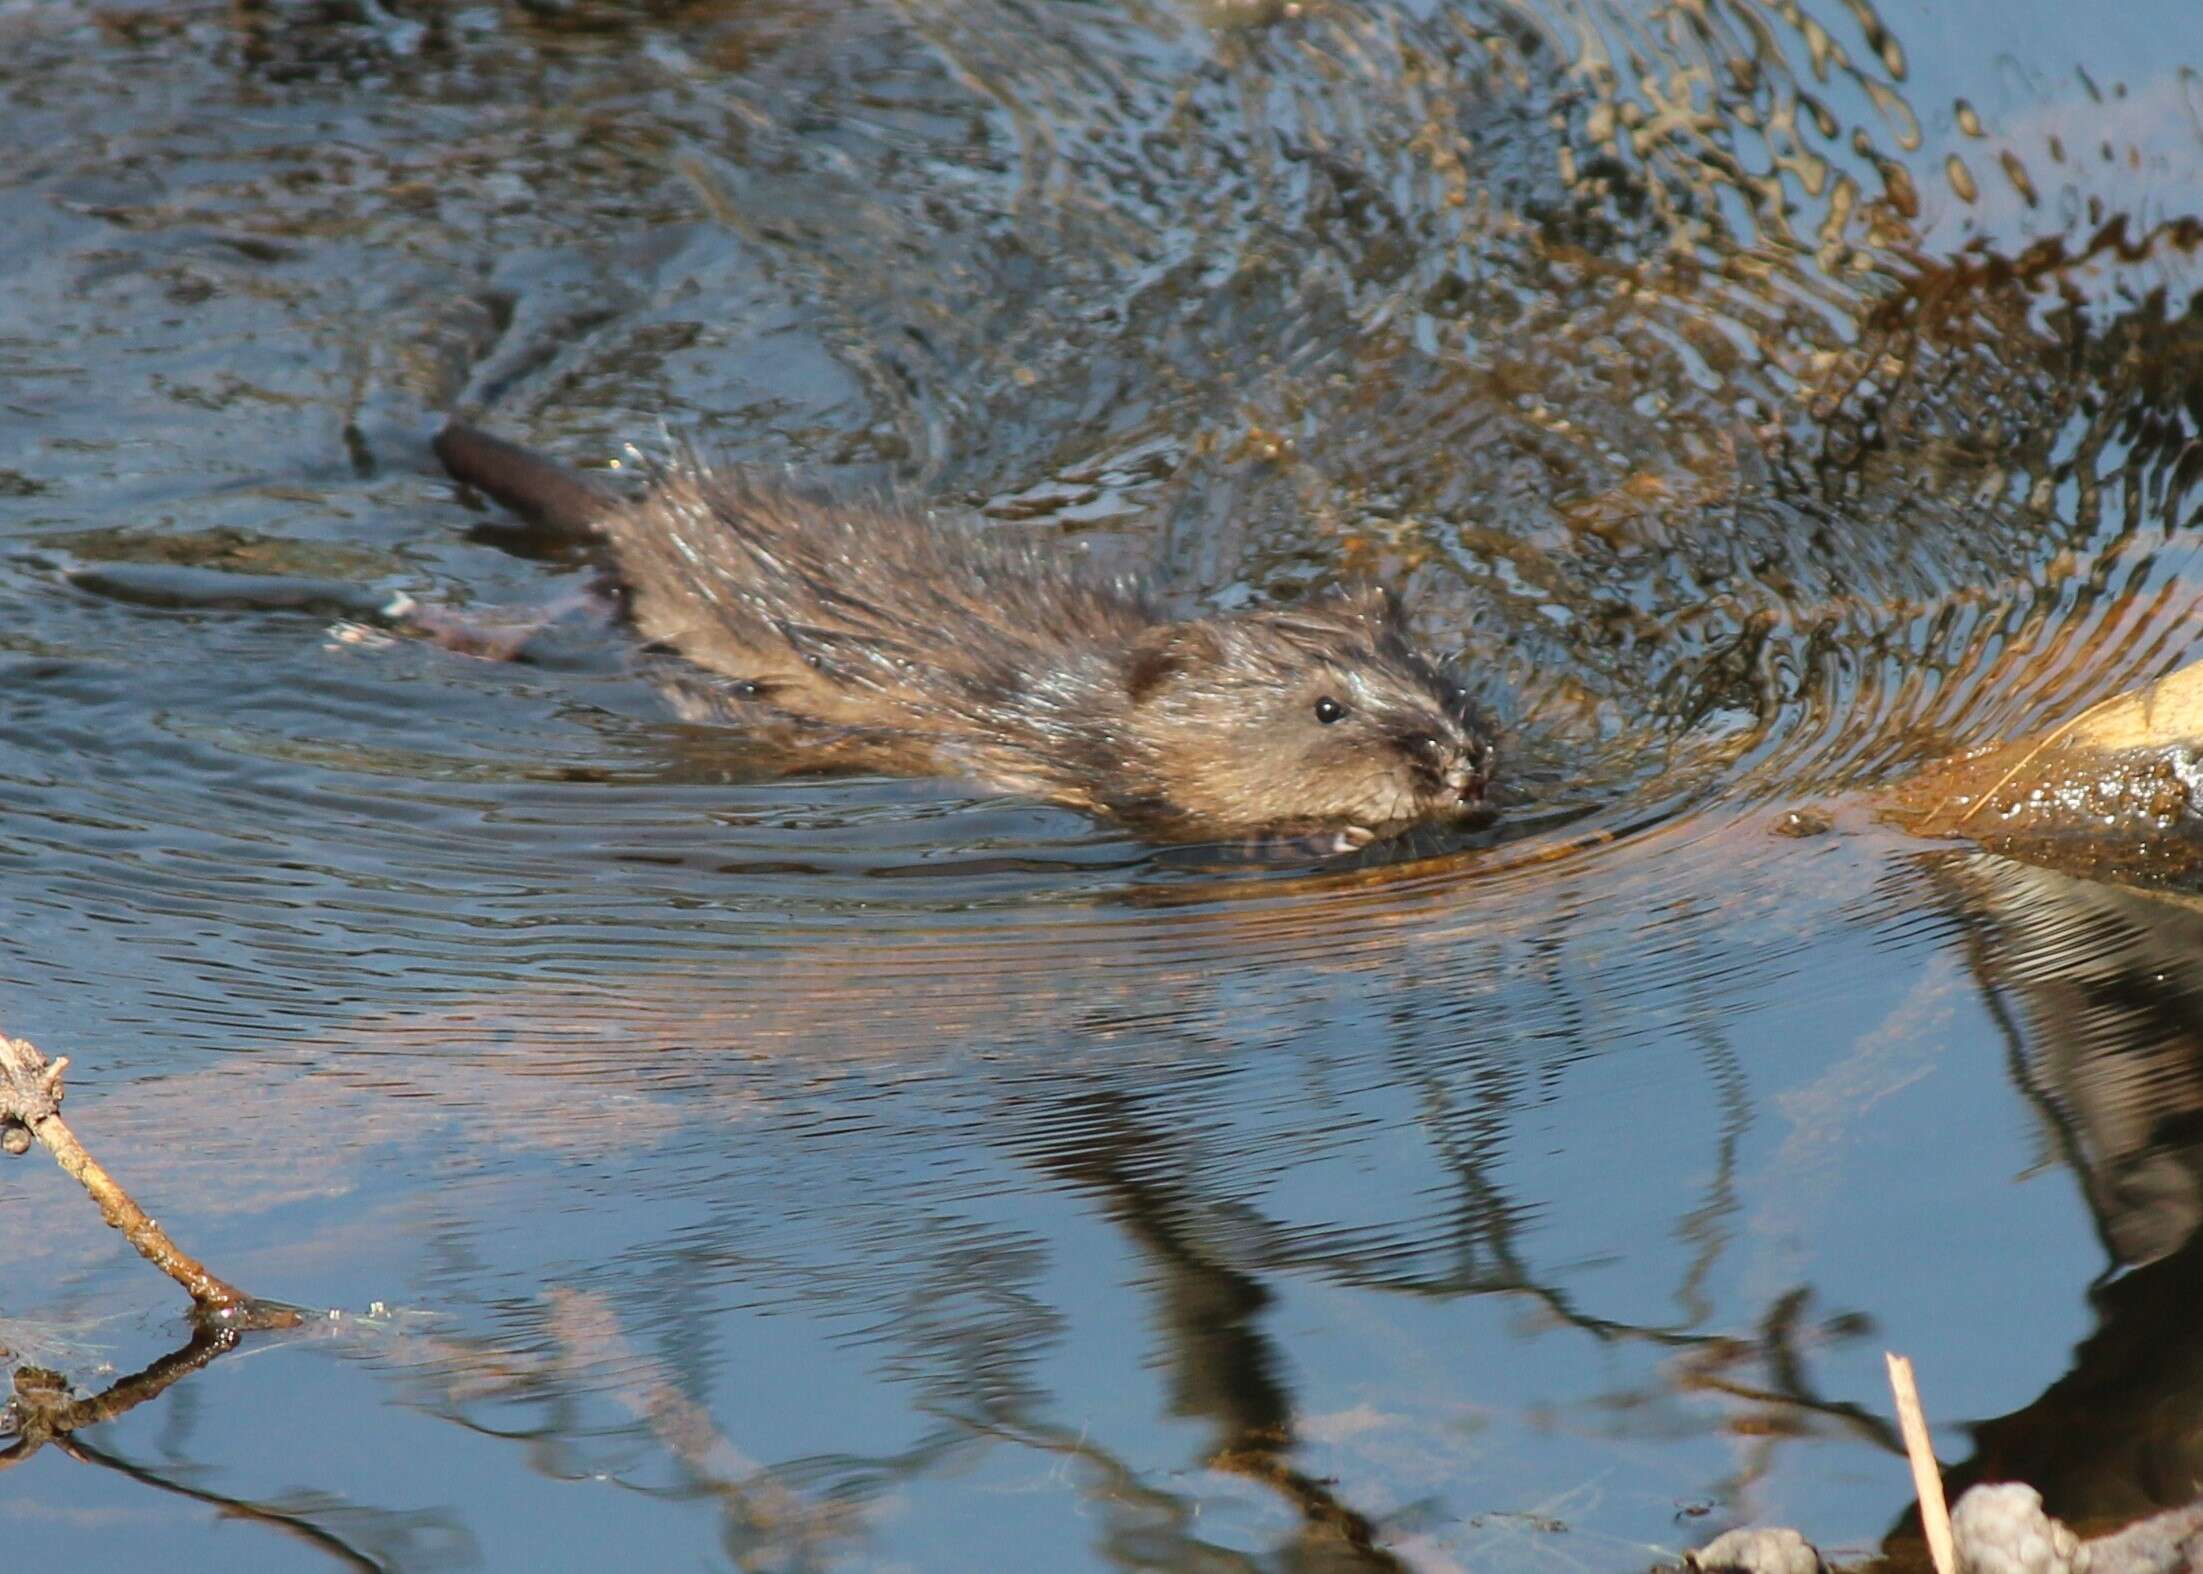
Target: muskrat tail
(542,491)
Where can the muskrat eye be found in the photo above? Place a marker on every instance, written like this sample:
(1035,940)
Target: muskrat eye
(1329,710)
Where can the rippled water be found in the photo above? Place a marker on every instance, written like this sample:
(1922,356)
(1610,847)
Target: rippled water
(1761,400)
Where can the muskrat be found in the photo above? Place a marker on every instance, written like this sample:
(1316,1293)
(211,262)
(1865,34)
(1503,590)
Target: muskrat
(877,638)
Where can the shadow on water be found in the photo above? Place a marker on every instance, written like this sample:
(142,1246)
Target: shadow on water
(782,1173)
(2097,992)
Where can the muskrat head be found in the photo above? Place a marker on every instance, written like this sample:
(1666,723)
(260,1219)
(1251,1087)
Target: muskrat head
(1316,716)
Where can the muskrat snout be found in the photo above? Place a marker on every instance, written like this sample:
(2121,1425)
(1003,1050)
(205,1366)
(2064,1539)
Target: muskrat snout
(1469,770)
(1457,762)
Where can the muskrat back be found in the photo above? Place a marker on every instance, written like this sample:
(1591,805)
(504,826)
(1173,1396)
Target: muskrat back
(885,638)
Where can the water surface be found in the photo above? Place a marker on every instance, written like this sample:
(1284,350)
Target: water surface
(1759,400)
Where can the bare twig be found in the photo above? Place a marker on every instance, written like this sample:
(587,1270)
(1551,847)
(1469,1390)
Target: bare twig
(30,1106)
(1927,1476)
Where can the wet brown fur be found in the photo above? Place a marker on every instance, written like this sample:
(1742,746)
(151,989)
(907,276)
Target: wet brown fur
(882,639)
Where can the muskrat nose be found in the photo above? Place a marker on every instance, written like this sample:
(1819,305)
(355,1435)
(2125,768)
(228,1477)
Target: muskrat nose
(1464,776)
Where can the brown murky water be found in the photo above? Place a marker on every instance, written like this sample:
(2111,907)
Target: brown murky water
(1763,400)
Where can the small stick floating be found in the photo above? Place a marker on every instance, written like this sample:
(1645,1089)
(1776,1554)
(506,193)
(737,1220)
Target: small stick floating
(1927,1476)
(30,1106)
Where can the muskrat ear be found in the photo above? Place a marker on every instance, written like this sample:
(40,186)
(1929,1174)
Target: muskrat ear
(1162,652)
(1374,604)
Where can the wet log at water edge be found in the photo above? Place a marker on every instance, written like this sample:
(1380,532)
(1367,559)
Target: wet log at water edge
(2112,793)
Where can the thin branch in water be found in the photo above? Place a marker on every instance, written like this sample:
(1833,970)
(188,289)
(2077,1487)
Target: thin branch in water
(30,1107)
(1927,1475)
